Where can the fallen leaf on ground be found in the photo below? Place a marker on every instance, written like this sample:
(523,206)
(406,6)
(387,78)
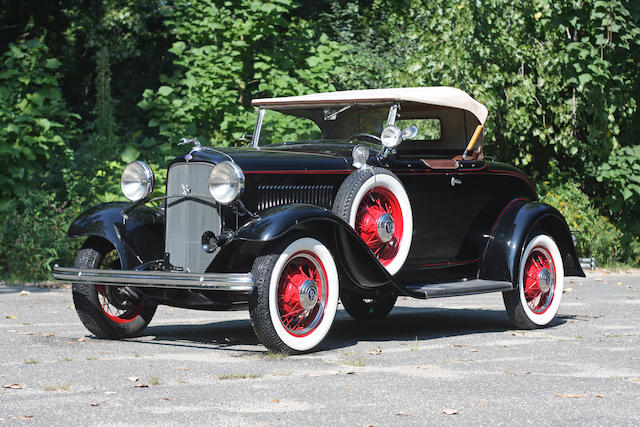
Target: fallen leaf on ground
(82,339)
(47,334)
(170,399)
(526,372)
(23,293)
(456,345)
(473,350)
(375,351)
(597,279)
(449,411)
(22,418)
(141,385)
(15,386)
(95,404)
(133,379)
(570,395)
(26,333)
(11,316)
(180,368)
(276,400)
(402,414)
(479,405)
(600,396)
(567,290)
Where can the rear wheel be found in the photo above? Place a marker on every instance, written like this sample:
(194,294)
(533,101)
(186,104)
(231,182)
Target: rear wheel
(364,308)
(107,311)
(535,302)
(295,295)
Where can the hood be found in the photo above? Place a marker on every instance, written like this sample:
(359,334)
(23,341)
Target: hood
(293,157)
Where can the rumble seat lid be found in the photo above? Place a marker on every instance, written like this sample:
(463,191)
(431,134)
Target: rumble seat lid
(439,96)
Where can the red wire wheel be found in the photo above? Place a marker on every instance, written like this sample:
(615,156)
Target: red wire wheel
(379,223)
(117,312)
(539,280)
(374,202)
(535,301)
(302,294)
(107,311)
(295,295)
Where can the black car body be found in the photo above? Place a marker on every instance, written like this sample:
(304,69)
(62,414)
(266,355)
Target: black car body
(359,209)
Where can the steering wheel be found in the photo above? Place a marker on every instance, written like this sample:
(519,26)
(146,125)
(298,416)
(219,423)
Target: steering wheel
(365,135)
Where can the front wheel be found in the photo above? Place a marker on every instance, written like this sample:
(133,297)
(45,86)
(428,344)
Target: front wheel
(295,296)
(535,302)
(107,311)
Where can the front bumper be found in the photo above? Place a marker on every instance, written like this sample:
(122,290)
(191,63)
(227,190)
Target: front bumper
(240,282)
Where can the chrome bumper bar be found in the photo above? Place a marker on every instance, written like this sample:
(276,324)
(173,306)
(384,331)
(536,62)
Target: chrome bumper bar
(157,279)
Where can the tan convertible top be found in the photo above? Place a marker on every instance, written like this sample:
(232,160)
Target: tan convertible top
(439,96)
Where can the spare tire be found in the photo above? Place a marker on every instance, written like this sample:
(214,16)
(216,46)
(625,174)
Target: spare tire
(374,202)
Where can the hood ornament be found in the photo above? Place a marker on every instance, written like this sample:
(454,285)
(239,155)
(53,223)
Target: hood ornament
(197,146)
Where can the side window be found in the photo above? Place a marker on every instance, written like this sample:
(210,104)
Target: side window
(428,129)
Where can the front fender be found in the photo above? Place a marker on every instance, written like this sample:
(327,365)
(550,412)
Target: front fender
(501,260)
(138,238)
(353,257)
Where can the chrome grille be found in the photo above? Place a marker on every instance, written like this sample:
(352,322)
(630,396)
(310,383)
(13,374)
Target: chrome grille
(190,212)
(274,195)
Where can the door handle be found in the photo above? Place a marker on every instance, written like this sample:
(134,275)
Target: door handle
(455,181)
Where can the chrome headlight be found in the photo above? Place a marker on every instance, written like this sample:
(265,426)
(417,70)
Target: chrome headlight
(137,181)
(226,182)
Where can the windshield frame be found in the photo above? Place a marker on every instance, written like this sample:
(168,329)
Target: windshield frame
(255,139)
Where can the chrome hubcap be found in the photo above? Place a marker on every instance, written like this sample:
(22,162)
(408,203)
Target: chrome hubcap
(385,227)
(544,280)
(308,294)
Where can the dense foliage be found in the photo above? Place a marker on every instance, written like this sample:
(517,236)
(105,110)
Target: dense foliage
(89,85)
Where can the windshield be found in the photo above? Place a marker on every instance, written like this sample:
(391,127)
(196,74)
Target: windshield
(321,124)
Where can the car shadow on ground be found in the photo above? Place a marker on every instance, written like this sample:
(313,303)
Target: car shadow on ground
(419,325)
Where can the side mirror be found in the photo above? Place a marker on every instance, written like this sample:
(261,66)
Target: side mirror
(410,132)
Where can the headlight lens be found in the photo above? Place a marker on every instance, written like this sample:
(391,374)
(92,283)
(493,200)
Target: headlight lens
(391,136)
(137,181)
(226,182)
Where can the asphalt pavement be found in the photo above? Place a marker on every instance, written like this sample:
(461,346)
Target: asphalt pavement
(443,361)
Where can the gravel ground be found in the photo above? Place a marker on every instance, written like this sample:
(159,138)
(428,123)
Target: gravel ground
(445,361)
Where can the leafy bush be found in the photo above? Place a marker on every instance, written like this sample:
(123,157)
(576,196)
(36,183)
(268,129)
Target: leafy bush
(596,236)
(36,123)
(34,237)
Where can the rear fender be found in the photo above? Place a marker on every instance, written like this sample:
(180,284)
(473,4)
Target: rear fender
(353,258)
(138,237)
(519,220)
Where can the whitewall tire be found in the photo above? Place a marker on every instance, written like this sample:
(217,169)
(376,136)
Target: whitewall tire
(536,301)
(374,202)
(295,295)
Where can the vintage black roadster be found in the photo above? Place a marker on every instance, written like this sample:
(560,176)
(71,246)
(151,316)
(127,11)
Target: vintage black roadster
(360,195)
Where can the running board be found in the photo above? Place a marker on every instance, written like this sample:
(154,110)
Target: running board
(467,287)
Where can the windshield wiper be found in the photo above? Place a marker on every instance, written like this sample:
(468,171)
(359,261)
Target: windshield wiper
(332,116)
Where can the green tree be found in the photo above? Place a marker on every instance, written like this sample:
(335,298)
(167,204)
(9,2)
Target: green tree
(229,52)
